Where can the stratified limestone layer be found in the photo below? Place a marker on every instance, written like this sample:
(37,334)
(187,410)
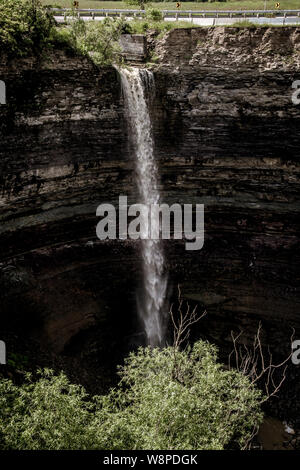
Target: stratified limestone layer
(226,135)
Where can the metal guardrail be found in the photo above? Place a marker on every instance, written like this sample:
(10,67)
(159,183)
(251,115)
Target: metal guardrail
(181,14)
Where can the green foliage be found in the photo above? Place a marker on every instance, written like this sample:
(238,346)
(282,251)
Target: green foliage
(18,361)
(162,27)
(141,26)
(98,40)
(201,406)
(47,414)
(61,38)
(153,14)
(25,26)
(28,28)
(139,3)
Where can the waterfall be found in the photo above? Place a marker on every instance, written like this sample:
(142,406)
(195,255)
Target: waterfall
(137,85)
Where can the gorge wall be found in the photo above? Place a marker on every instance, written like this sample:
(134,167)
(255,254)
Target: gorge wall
(225,132)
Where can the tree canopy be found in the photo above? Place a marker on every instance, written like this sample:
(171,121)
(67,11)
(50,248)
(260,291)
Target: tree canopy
(25,26)
(201,406)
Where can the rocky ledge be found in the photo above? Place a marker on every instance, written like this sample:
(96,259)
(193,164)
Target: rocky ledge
(262,48)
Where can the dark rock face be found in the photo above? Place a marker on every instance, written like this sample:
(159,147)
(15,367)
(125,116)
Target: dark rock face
(226,135)
(63,152)
(230,142)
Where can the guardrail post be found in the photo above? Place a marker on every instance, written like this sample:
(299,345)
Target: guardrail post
(284,17)
(93,15)
(176,17)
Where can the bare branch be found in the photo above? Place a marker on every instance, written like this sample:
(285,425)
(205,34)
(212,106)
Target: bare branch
(257,365)
(181,329)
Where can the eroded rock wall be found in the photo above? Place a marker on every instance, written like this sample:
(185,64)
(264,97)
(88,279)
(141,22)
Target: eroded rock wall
(63,151)
(262,48)
(226,135)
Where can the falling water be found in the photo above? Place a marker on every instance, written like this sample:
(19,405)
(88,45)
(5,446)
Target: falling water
(138,84)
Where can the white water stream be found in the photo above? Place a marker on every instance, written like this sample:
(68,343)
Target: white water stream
(138,85)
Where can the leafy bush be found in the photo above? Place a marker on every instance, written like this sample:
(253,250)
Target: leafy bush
(201,406)
(25,26)
(63,39)
(162,27)
(98,39)
(18,361)
(47,414)
(154,15)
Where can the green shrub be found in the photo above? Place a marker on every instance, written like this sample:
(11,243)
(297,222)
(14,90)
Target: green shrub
(142,26)
(25,27)
(99,39)
(63,39)
(201,406)
(18,361)
(47,414)
(154,15)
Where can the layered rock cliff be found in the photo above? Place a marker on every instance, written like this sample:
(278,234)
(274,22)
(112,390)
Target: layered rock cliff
(226,135)
(262,48)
